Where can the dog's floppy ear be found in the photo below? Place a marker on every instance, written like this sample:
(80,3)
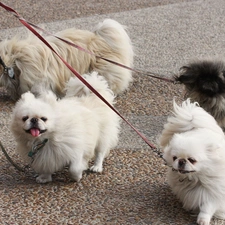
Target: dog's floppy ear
(215,150)
(167,154)
(49,97)
(27,96)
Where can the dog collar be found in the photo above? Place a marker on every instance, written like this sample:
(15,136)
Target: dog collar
(36,147)
(7,70)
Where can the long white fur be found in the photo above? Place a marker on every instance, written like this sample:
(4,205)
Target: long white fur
(78,128)
(185,118)
(193,133)
(34,63)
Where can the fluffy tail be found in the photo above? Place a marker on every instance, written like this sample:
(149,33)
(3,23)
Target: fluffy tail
(115,35)
(76,88)
(187,117)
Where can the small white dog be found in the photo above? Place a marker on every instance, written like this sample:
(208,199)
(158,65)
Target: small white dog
(31,62)
(52,134)
(194,148)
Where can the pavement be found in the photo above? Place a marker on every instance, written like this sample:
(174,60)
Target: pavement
(132,189)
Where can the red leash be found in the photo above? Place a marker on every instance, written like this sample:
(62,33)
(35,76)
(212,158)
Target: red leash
(151,74)
(23,21)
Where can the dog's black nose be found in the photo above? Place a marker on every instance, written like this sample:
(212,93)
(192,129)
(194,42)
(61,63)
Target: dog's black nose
(181,163)
(34,120)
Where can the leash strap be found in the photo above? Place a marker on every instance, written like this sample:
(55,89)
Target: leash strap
(147,73)
(23,21)
(10,160)
(34,150)
(150,74)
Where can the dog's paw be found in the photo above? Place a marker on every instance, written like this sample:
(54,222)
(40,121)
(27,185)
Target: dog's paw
(44,178)
(76,177)
(203,220)
(96,168)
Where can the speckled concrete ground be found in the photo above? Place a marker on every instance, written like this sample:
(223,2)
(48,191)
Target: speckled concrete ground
(133,188)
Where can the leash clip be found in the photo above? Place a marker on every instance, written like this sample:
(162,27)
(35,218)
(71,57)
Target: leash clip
(36,147)
(7,70)
(10,72)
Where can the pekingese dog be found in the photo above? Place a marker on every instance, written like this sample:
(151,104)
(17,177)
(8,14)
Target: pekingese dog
(204,81)
(28,62)
(52,134)
(194,149)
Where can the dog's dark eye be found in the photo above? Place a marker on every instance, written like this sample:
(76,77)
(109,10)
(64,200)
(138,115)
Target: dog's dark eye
(191,160)
(25,118)
(174,158)
(44,119)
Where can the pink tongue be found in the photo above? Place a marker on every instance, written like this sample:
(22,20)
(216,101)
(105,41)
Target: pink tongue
(35,132)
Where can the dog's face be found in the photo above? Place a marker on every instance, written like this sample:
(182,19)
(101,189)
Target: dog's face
(205,77)
(188,153)
(35,125)
(34,117)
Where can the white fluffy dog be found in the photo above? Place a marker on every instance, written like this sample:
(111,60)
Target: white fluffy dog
(67,132)
(194,148)
(34,63)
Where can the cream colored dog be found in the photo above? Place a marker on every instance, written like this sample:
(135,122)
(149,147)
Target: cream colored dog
(34,63)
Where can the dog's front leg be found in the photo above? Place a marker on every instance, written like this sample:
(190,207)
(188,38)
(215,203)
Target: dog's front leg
(44,178)
(76,168)
(207,210)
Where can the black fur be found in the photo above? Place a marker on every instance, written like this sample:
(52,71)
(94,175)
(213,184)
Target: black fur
(204,81)
(206,77)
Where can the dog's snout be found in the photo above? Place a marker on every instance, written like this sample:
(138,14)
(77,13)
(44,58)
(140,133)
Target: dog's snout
(34,120)
(181,163)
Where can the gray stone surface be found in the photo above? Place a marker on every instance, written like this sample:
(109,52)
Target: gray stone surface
(133,188)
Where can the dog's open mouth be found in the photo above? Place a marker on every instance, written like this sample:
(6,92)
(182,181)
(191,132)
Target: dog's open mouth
(183,171)
(35,132)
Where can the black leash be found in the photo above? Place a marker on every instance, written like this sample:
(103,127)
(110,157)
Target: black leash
(35,148)
(10,160)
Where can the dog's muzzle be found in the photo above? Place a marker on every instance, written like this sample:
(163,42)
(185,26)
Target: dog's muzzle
(181,164)
(34,129)
(182,171)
